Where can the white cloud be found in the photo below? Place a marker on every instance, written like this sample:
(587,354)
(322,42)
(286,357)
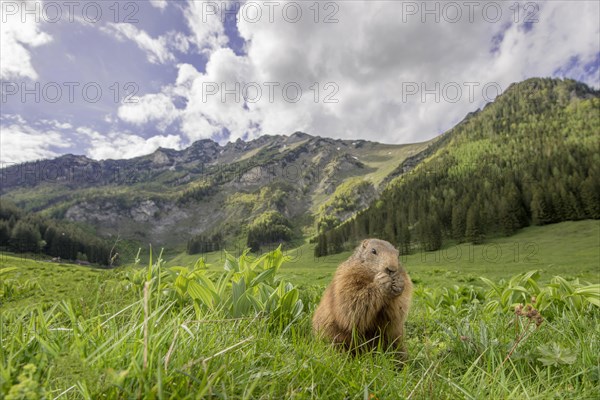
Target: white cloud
(125,145)
(187,74)
(372,58)
(224,71)
(20,143)
(178,41)
(378,51)
(206,23)
(564,30)
(16,37)
(204,115)
(11,119)
(157,50)
(150,108)
(162,4)
(55,124)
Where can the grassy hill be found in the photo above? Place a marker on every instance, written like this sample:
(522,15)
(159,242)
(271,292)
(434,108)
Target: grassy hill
(529,158)
(138,337)
(568,249)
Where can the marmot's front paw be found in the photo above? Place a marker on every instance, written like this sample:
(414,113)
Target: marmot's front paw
(397,284)
(384,281)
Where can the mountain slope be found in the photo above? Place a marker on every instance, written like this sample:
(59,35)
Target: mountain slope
(530,157)
(170,195)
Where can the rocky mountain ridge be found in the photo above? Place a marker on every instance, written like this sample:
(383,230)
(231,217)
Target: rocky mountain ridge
(171,194)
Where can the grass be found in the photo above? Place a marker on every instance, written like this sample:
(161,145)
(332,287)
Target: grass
(57,281)
(380,160)
(378,164)
(570,249)
(100,334)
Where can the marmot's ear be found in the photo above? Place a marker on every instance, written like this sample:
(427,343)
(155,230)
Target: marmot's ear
(364,243)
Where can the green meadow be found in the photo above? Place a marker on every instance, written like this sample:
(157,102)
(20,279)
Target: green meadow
(238,326)
(569,249)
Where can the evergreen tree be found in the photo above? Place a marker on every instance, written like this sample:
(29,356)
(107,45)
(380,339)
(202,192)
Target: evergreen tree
(25,238)
(511,212)
(430,234)
(540,209)
(590,195)
(270,227)
(321,247)
(4,233)
(389,233)
(51,239)
(404,240)
(434,234)
(474,231)
(459,226)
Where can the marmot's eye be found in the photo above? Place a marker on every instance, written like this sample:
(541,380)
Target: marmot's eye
(373,251)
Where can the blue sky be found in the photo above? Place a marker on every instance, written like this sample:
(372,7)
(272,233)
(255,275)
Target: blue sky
(166,73)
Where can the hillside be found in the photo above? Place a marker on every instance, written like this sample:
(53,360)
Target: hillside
(135,332)
(207,189)
(530,157)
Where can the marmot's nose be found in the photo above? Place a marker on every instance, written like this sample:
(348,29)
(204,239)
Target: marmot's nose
(390,270)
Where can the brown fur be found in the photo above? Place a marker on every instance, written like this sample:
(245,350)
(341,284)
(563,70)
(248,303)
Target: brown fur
(367,301)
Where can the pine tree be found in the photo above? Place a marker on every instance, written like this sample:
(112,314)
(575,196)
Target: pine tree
(25,238)
(435,234)
(540,209)
(389,231)
(430,234)
(590,196)
(404,240)
(473,231)
(321,248)
(4,233)
(459,226)
(511,212)
(51,239)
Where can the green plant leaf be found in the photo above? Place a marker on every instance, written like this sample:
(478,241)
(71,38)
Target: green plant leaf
(199,292)
(6,270)
(181,285)
(231,265)
(553,355)
(265,276)
(495,288)
(237,290)
(564,285)
(591,293)
(200,264)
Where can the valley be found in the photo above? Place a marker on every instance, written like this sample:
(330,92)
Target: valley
(205,265)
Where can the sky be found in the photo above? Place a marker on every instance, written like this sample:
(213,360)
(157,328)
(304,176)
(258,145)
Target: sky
(118,79)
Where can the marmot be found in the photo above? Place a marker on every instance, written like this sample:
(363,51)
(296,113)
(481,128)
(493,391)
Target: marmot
(367,301)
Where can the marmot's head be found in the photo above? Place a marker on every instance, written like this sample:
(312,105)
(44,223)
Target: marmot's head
(378,255)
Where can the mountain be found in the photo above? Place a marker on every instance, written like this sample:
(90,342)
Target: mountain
(530,157)
(227,191)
